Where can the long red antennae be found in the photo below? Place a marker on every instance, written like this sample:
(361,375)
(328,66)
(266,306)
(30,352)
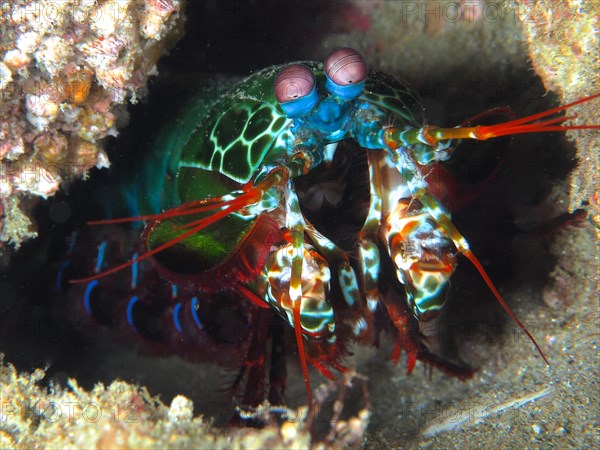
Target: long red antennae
(251,194)
(302,353)
(463,247)
(190,208)
(528,124)
(552,111)
(471,257)
(199,225)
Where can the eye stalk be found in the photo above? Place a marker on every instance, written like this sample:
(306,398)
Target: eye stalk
(295,90)
(346,73)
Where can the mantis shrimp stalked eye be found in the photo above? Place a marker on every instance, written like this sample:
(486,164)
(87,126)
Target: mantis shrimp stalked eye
(223,222)
(346,72)
(295,90)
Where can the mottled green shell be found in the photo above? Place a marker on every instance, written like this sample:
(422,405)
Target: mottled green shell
(218,143)
(235,135)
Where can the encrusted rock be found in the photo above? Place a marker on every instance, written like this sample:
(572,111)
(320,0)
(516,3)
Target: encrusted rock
(64,68)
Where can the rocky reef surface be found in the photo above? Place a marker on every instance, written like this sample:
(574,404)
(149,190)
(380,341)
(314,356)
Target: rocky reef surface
(66,70)
(125,416)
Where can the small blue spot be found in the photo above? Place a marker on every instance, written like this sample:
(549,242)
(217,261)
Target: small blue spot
(130,306)
(194,306)
(72,242)
(131,196)
(86,298)
(176,310)
(100,259)
(59,275)
(134,272)
(173,291)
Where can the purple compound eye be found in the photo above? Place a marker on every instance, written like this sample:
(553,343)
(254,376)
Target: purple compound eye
(345,66)
(294,82)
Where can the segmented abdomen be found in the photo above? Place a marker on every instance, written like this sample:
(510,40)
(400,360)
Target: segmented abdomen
(166,318)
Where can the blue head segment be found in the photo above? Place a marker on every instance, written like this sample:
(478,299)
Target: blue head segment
(301,106)
(295,90)
(349,92)
(346,73)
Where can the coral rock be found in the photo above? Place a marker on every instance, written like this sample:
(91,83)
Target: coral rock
(65,67)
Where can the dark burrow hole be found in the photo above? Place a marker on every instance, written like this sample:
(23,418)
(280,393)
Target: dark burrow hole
(504,222)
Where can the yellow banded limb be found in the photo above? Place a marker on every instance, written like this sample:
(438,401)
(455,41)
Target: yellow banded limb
(295,223)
